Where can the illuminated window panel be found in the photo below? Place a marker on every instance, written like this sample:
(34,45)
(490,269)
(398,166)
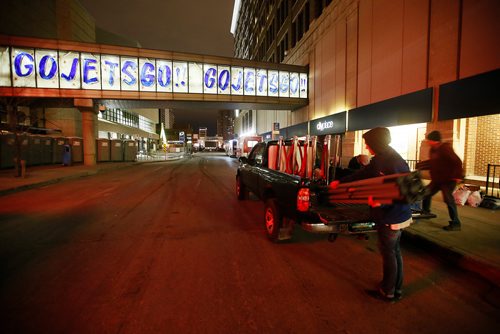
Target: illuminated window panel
(69,67)
(180,77)
(261,82)
(210,79)
(91,70)
(236,80)
(4,67)
(303,85)
(147,75)
(195,78)
(224,79)
(294,84)
(249,81)
(164,76)
(284,85)
(47,71)
(23,67)
(129,67)
(110,72)
(273,83)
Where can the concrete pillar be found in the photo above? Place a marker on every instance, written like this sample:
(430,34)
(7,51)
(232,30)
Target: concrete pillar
(89,129)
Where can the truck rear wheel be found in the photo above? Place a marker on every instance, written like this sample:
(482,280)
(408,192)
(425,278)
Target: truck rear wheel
(241,190)
(273,220)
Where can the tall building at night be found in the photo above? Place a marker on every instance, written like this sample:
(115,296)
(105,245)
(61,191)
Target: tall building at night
(166,117)
(225,124)
(411,66)
(267,32)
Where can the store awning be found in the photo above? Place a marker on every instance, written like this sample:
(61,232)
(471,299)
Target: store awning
(405,109)
(298,130)
(474,96)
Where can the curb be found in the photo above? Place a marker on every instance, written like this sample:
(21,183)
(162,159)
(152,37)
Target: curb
(463,261)
(46,182)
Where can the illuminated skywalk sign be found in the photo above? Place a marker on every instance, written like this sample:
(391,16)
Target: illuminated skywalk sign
(65,69)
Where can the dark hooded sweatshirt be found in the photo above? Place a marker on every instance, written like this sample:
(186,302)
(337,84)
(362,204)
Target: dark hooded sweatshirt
(385,162)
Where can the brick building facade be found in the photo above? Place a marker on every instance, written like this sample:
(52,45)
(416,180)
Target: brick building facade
(364,52)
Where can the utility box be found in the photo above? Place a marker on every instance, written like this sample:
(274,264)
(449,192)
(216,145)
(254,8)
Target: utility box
(103,149)
(13,147)
(7,150)
(47,147)
(116,150)
(34,150)
(58,149)
(76,144)
(129,150)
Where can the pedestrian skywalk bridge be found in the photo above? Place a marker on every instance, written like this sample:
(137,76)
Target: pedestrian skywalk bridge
(32,67)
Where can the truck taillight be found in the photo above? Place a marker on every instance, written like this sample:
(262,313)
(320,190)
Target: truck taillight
(303,199)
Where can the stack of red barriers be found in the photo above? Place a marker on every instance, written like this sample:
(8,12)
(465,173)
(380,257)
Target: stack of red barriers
(404,187)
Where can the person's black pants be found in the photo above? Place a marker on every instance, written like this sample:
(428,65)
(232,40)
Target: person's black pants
(446,189)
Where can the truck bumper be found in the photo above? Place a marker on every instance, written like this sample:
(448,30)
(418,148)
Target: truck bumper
(351,228)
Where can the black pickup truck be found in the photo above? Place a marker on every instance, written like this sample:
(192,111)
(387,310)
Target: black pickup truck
(290,176)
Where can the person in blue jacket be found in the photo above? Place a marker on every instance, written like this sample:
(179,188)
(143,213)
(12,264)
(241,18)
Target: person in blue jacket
(390,219)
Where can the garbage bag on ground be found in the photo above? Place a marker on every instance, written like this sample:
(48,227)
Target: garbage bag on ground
(474,199)
(461,195)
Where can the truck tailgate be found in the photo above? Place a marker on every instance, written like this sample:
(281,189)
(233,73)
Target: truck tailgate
(342,213)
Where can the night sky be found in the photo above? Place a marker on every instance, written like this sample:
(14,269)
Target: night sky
(193,26)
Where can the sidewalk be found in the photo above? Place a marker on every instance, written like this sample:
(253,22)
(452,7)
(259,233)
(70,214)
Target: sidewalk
(476,248)
(38,176)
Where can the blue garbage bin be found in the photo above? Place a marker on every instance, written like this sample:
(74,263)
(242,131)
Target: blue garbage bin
(66,160)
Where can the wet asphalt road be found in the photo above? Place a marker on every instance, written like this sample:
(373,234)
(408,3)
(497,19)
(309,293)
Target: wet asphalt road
(167,248)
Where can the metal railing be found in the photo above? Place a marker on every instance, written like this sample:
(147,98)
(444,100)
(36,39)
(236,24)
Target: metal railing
(412,164)
(160,155)
(493,181)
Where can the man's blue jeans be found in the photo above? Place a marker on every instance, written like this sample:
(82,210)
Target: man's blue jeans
(388,242)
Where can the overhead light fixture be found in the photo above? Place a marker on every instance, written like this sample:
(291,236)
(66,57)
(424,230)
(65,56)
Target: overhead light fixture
(236,14)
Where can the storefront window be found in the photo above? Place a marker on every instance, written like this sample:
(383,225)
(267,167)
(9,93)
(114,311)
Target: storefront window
(405,139)
(128,118)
